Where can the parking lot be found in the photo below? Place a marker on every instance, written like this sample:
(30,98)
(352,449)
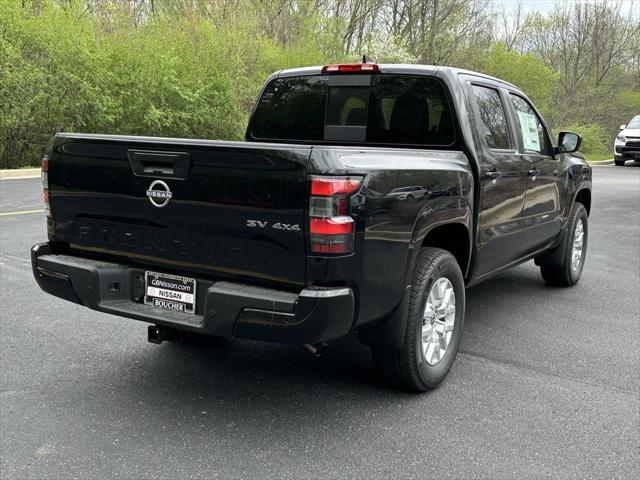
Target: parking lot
(547,382)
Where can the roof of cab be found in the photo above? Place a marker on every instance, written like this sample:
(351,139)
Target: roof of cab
(399,68)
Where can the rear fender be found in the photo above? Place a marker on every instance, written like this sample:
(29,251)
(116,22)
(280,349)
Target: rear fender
(390,333)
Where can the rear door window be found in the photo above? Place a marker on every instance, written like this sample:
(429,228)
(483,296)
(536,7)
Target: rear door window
(493,121)
(392,109)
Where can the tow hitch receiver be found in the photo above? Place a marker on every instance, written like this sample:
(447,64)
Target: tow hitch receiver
(156,334)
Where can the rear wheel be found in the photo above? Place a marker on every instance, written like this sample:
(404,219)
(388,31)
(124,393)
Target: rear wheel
(567,270)
(433,328)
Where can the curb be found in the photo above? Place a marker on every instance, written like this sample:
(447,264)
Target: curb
(20,173)
(601,162)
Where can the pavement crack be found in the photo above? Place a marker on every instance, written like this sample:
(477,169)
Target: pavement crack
(523,366)
(14,260)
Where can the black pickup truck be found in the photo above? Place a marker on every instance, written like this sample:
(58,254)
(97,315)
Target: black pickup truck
(365,198)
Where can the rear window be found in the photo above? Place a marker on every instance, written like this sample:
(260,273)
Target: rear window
(386,109)
(291,109)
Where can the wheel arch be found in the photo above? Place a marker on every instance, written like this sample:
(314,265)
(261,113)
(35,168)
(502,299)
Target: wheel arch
(445,223)
(583,195)
(453,237)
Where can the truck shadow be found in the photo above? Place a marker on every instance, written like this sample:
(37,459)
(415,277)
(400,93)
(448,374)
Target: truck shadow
(242,363)
(236,367)
(236,388)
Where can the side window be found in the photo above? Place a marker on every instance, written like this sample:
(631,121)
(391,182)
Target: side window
(492,117)
(531,129)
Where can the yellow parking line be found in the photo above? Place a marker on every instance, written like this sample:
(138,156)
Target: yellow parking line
(21,212)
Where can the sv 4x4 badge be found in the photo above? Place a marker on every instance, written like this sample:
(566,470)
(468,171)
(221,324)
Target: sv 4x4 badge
(275,226)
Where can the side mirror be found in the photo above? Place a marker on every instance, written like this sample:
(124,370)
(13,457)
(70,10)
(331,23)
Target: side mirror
(622,127)
(569,142)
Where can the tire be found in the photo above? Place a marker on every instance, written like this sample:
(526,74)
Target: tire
(619,161)
(407,367)
(563,273)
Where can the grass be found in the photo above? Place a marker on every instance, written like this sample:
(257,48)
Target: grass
(598,157)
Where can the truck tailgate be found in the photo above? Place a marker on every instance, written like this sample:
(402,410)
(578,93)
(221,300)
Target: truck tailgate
(227,209)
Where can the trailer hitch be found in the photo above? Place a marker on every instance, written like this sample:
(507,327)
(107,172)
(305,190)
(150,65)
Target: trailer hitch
(157,334)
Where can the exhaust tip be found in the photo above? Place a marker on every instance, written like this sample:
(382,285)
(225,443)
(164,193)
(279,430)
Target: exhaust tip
(317,349)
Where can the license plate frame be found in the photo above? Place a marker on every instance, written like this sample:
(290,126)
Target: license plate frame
(170,292)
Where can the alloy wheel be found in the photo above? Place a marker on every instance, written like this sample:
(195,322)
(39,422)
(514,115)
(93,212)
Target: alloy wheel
(438,320)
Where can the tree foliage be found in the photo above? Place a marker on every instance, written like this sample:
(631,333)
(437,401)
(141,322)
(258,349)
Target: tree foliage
(192,68)
(539,82)
(595,48)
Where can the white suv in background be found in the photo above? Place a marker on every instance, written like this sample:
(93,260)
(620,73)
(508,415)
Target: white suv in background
(627,143)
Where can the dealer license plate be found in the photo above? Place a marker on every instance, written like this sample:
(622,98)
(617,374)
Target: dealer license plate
(171,292)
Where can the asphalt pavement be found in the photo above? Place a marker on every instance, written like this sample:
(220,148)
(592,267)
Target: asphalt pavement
(547,382)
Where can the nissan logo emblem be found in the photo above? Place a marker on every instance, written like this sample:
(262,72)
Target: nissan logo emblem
(159,194)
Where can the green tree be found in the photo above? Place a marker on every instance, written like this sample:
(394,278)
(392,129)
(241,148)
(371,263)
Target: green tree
(540,83)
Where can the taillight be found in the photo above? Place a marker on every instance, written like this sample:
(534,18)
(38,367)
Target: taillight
(45,183)
(331,228)
(351,68)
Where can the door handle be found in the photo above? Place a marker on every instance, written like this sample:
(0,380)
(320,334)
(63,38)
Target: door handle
(533,174)
(492,176)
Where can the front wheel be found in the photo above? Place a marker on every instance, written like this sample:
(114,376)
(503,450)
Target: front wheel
(566,271)
(433,328)
(619,161)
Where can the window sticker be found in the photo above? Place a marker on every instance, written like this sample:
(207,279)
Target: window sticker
(529,127)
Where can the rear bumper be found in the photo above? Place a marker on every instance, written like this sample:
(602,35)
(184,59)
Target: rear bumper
(223,308)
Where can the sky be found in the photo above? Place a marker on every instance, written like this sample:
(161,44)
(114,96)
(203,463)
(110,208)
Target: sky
(547,5)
